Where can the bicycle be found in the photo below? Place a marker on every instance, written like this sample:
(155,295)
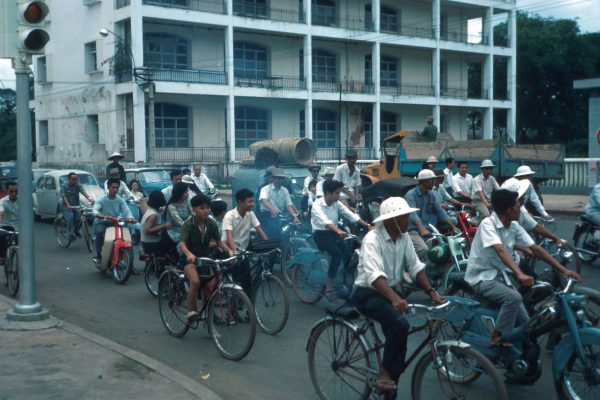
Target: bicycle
(227,313)
(269,295)
(343,364)
(11,262)
(561,252)
(154,267)
(81,224)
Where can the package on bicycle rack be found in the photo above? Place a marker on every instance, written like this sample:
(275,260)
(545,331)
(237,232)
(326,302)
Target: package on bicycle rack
(263,246)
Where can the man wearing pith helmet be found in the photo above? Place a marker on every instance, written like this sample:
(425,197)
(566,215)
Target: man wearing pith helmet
(386,254)
(524,173)
(483,186)
(114,158)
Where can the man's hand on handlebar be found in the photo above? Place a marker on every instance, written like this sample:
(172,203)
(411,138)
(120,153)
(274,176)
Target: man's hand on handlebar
(130,220)
(191,259)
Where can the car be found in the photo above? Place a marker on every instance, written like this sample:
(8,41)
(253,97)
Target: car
(37,174)
(46,197)
(151,178)
(8,173)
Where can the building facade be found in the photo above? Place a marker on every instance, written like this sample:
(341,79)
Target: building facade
(218,75)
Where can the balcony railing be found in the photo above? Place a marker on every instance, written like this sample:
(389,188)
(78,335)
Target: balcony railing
(264,12)
(408,90)
(181,75)
(350,86)
(271,82)
(122,3)
(211,6)
(354,23)
(363,153)
(463,93)
(186,154)
(465,38)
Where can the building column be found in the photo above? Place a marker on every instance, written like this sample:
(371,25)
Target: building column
(511,122)
(139,99)
(231,85)
(307,51)
(229,7)
(436,58)
(307,11)
(376,77)
(488,75)
(375,12)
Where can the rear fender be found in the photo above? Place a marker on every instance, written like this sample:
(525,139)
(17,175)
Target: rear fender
(118,245)
(580,228)
(566,348)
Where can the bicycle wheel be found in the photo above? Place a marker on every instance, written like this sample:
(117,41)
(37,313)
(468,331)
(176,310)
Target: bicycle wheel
(271,304)
(62,231)
(286,272)
(151,275)
(231,322)
(122,270)
(456,373)
(12,271)
(172,303)
(308,292)
(579,381)
(87,235)
(586,240)
(338,362)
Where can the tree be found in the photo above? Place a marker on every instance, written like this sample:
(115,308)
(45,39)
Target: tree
(8,125)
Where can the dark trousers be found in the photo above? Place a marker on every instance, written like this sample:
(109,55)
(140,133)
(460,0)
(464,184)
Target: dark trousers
(331,243)
(4,239)
(270,225)
(241,274)
(394,326)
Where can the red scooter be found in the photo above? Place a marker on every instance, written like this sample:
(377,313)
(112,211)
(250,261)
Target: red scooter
(463,222)
(117,251)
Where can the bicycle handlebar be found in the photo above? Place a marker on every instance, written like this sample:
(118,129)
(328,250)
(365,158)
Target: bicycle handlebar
(542,219)
(200,260)
(9,232)
(413,307)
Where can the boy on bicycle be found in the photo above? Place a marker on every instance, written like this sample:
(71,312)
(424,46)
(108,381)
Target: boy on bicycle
(9,215)
(70,195)
(200,236)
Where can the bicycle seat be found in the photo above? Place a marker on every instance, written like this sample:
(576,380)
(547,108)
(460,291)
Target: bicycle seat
(587,219)
(346,311)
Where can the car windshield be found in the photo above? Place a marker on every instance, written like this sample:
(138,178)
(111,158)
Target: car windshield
(83,179)
(154,176)
(8,171)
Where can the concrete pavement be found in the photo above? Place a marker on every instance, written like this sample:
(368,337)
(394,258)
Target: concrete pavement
(64,361)
(565,204)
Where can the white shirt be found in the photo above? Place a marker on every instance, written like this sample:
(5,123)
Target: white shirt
(123,192)
(526,220)
(323,215)
(240,227)
(531,196)
(168,192)
(486,185)
(462,183)
(320,188)
(448,178)
(484,264)
(279,198)
(342,174)
(382,257)
(203,183)
(308,180)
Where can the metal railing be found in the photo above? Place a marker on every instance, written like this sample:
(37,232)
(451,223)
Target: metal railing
(408,90)
(122,3)
(264,12)
(186,154)
(354,23)
(363,153)
(211,6)
(579,173)
(181,75)
(271,82)
(463,93)
(463,37)
(350,86)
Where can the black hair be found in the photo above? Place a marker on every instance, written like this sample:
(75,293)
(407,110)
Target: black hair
(312,183)
(218,207)
(179,189)
(449,160)
(11,183)
(502,200)
(186,171)
(174,173)
(461,163)
(330,186)
(200,200)
(135,181)
(112,181)
(71,174)
(156,200)
(243,194)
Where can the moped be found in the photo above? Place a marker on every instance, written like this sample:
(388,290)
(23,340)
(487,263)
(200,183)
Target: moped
(117,251)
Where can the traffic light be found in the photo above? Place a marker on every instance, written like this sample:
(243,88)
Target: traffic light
(32,27)
(8,29)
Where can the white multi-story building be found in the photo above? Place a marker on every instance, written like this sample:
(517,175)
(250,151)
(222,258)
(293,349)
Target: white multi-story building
(219,75)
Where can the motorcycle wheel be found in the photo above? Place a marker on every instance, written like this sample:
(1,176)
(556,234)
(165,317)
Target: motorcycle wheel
(578,381)
(122,270)
(585,239)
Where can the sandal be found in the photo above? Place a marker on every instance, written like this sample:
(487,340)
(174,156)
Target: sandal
(386,385)
(331,295)
(191,316)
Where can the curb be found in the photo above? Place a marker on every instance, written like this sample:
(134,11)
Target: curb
(195,388)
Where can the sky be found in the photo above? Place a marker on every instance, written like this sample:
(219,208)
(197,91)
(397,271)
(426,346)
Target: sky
(587,13)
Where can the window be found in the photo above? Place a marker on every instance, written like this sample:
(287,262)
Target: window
(91,61)
(253,8)
(324,128)
(388,73)
(249,60)
(388,20)
(323,12)
(443,75)
(251,125)
(324,68)
(43,133)
(171,125)
(91,128)
(388,125)
(42,74)
(163,50)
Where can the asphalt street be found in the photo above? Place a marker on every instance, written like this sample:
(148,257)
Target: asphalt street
(72,289)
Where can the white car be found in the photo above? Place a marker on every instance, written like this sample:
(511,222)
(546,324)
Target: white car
(47,198)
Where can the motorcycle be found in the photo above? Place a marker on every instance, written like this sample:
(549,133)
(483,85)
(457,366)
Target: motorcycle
(135,228)
(586,238)
(117,251)
(576,360)
(463,221)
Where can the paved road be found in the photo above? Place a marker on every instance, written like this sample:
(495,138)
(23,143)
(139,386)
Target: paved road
(70,287)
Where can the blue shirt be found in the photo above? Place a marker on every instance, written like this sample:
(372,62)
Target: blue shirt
(430,211)
(113,207)
(593,205)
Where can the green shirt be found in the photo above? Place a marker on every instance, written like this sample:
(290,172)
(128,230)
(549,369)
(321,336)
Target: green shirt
(430,133)
(196,241)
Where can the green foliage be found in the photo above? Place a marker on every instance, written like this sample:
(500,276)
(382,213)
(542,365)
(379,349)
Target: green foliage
(8,125)
(120,62)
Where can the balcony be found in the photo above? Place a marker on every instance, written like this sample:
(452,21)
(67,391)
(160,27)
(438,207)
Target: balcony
(353,23)
(211,6)
(181,75)
(408,90)
(463,37)
(463,93)
(350,86)
(264,12)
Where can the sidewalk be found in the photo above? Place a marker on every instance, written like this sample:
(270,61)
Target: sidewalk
(565,204)
(67,362)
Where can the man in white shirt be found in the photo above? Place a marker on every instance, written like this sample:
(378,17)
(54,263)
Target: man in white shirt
(483,186)
(462,182)
(385,255)
(124,191)
(313,175)
(349,175)
(176,176)
(524,173)
(449,176)
(327,174)
(274,198)
(202,181)
(328,236)
(237,225)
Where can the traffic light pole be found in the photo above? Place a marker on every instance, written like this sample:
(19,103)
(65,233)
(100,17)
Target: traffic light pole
(27,309)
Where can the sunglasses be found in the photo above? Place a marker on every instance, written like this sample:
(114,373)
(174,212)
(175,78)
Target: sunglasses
(13,191)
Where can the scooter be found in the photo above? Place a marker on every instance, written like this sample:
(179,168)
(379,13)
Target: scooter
(587,240)
(117,251)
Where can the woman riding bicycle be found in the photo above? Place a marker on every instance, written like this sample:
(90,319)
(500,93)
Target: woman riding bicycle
(154,239)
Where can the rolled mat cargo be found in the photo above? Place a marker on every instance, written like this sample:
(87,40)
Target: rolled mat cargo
(289,150)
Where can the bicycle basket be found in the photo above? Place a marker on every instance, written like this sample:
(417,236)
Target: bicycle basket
(263,246)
